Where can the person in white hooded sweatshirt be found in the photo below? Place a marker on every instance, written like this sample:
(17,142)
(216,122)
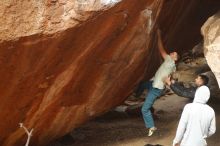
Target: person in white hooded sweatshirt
(197,121)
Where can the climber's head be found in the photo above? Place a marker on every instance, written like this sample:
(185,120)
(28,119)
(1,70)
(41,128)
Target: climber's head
(174,56)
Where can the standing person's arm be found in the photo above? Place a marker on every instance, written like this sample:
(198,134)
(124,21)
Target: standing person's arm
(160,45)
(183,91)
(181,127)
(212,127)
(180,89)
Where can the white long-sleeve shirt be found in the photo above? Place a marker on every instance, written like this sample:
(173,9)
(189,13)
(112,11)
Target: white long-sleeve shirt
(197,121)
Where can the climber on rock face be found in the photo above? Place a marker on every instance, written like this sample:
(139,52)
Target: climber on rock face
(188,92)
(156,86)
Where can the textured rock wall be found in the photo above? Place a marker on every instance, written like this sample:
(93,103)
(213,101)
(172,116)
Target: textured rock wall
(64,62)
(29,17)
(211,33)
(55,79)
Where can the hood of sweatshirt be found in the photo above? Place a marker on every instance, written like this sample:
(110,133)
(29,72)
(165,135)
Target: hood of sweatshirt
(202,95)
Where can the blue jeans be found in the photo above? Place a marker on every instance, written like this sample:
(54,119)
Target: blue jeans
(141,87)
(153,93)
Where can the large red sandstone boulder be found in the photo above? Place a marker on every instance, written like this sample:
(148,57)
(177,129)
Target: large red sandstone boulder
(64,62)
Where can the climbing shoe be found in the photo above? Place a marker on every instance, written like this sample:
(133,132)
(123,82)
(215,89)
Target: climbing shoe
(151,131)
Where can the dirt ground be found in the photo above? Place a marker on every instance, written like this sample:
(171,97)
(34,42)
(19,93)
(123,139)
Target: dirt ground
(127,128)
